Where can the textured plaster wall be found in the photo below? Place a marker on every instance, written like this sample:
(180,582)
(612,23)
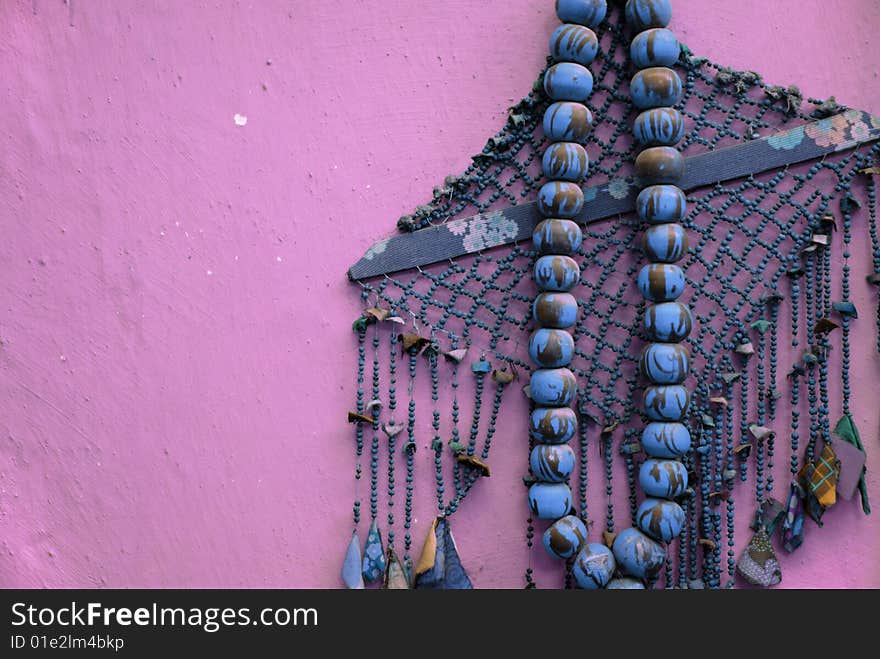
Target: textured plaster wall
(176,357)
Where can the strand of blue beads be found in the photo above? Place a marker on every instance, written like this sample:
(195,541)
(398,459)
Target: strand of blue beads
(553,387)
(655,90)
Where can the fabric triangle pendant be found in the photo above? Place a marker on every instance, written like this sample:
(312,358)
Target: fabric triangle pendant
(758,564)
(395,575)
(820,483)
(351,566)
(373,567)
(793,524)
(439,566)
(850,459)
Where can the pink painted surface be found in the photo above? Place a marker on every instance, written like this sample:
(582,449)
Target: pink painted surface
(176,358)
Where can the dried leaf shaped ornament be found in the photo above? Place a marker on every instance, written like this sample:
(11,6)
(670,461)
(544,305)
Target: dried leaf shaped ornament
(439,566)
(758,564)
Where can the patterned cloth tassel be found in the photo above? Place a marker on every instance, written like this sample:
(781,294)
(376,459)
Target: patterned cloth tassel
(820,482)
(758,564)
(793,524)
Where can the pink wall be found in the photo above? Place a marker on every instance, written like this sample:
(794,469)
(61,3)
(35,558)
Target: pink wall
(176,358)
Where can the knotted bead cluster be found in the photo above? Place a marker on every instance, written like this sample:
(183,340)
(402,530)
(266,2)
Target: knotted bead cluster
(553,387)
(664,363)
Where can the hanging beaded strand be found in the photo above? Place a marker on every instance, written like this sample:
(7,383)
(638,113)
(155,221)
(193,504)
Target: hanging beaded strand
(553,387)
(655,89)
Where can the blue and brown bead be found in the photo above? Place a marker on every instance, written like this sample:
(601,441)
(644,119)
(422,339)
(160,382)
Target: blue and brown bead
(557,310)
(552,425)
(567,122)
(555,236)
(565,537)
(661,519)
(557,273)
(565,161)
(593,567)
(665,479)
(551,348)
(552,387)
(661,282)
(568,81)
(582,12)
(659,164)
(637,554)
(656,87)
(668,322)
(550,500)
(665,363)
(665,243)
(645,14)
(658,204)
(574,43)
(560,199)
(666,440)
(552,463)
(659,127)
(654,47)
(666,402)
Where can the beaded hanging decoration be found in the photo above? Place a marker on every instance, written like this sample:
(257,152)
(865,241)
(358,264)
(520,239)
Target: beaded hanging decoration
(744,198)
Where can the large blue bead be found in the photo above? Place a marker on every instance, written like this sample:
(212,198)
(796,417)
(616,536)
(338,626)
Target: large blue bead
(625,583)
(565,537)
(660,519)
(661,282)
(657,87)
(552,387)
(567,122)
(659,127)
(666,440)
(552,425)
(666,479)
(593,567)
(582,12)
(549,500)
(637,554)
(560,199)
(552,463)
(669,322)
(557,310)
(655,47)
(557,237)
(551,348)
(659,164)
(565,161)
(665,243)
(557,273)
(568,81)
(665,363)
(659,204)
(644,14)
(667,402)
(574,43)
